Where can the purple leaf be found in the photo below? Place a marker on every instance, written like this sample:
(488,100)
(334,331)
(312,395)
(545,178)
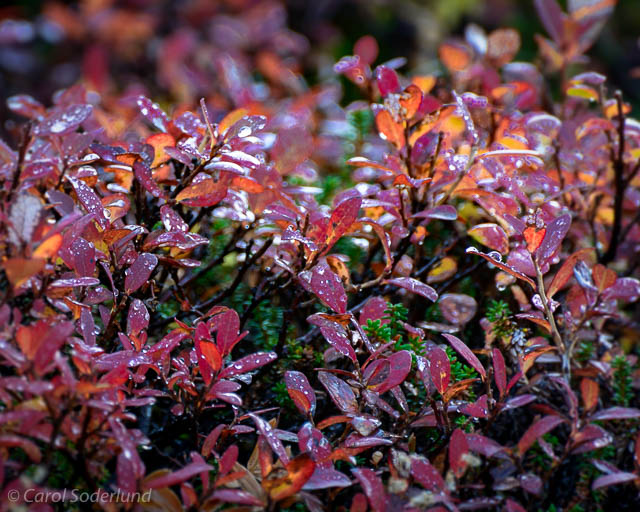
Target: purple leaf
(613,479)
(152,113)
(144,175)
(335,334)
(61,122)
(462,349)
(457,308)
(414,286)
(74,281)
(616,413)
(326,285)
(139,272)
(237,497)
(325,478)
(340,392)
(556,231)
(552,18)
(248,363)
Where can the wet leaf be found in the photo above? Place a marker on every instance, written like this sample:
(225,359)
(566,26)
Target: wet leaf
(326,285)
(300,391)
(499,371)
(248,363)
(461,348)
(555,233)
(140,271)
(414,286)
(491,236)
(457,308)
(340,392)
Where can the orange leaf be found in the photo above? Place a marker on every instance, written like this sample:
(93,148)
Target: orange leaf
(299,470)
(300,399)
(247,184)
(603,277)
(211,354)
(49,247)
(202,188)
(533,238)
(455,56)
(231,118)
(20,269)
(389,129)
(340,268)
(410,100)
(159,141)
(590,390)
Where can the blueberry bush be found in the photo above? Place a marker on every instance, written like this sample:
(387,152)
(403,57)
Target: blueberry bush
(223,282)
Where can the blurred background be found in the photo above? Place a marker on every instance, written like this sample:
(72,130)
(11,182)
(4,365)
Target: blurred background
(175,51)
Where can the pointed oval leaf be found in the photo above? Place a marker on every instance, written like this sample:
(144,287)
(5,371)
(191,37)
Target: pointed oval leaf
(304,396)
(415,286)
(461,348)
(139,272)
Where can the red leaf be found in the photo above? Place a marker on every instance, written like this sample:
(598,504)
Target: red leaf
(177,477)
(340,392)
(426,475)
(342,218)
(538,429)
(467,354)
(300,391)
(373,488)
(499,371)
(139,272)
(387,80)
(325,478)
(399,368)
(458,448)
(414,286)
(440,369)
